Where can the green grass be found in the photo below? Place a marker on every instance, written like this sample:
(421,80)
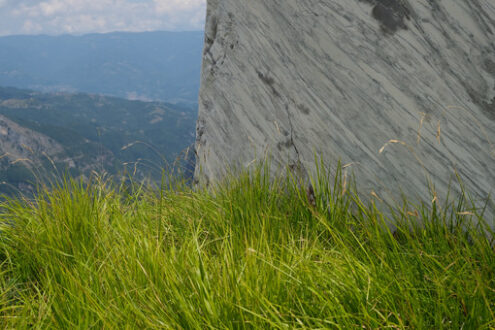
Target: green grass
(247,254)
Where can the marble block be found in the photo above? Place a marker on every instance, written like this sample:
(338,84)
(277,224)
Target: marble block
(402,91)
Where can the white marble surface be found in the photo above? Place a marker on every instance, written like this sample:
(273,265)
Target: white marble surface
(339,79)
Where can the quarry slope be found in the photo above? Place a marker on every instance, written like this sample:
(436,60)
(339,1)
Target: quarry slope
(401,91)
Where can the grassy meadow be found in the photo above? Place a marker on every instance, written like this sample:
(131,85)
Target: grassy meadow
(249,253)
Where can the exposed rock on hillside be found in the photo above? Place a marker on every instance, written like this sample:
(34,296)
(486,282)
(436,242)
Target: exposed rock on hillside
(22,152)
(18,143)
(400,89)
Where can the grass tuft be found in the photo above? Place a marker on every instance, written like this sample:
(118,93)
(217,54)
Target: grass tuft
(248,253)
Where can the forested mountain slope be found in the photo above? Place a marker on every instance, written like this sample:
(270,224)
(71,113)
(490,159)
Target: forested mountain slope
(43,134)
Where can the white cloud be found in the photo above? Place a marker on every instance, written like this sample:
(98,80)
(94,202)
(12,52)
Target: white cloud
(170,6)
(87,16)
(30,27)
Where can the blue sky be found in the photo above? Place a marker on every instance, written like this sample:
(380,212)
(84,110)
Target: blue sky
(89,16)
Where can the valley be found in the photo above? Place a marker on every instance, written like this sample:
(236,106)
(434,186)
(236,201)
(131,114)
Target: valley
(45,135)
(149,66)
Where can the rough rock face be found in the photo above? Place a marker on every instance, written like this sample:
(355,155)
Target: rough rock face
(399,89)
(18,143)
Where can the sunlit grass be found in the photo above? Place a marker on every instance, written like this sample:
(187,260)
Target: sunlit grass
(250,253)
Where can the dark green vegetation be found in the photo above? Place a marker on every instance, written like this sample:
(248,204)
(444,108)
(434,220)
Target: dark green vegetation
(150,65)
(96,133)
(248,254)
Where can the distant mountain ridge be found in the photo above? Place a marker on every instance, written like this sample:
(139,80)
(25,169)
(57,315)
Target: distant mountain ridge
(46,134)
(162,66)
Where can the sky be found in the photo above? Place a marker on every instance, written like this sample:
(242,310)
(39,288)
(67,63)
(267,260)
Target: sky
(55,17)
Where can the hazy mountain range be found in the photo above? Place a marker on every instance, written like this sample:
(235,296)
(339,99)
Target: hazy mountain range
(161,66)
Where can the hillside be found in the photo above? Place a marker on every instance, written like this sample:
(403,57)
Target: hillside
(161,66)
(84,132)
